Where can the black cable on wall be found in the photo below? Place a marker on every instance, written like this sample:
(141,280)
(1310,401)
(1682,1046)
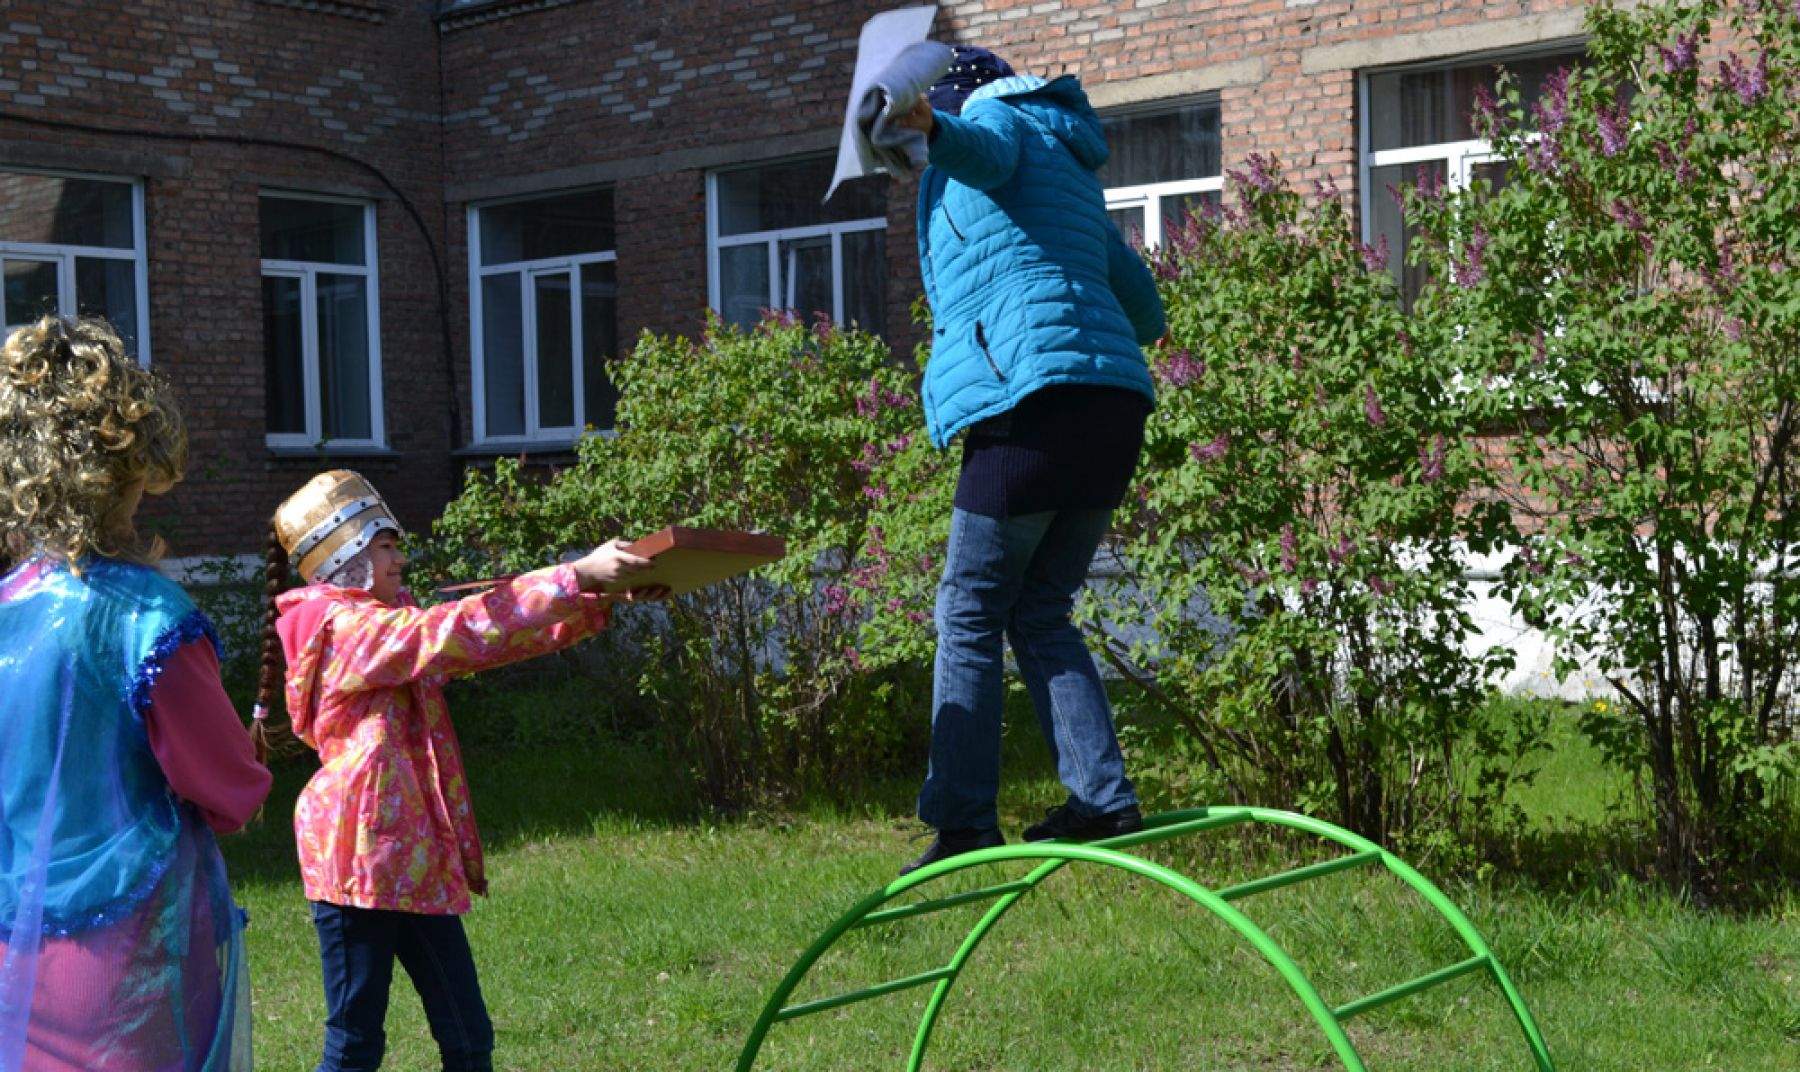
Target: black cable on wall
(446,347)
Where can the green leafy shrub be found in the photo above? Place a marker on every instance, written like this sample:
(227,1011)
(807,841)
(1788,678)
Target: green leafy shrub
(1289,602)
(1630,300)
(757,681)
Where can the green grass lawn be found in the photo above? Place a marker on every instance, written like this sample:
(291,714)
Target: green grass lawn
(624,932)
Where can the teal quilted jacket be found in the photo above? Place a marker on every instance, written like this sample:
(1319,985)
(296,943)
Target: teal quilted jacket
(1029,282)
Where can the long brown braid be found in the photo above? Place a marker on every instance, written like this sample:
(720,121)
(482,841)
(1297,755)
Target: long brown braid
(268,682)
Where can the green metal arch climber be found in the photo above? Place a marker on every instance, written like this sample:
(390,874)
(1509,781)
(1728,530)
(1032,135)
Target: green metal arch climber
(1056,855)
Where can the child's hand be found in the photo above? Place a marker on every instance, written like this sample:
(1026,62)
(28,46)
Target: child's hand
(607,566)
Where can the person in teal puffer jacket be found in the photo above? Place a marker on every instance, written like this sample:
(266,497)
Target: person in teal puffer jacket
(1040,310)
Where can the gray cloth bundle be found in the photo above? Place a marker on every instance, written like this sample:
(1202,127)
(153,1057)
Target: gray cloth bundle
(897,149)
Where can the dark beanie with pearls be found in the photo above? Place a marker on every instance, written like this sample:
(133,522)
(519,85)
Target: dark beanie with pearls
(971,69)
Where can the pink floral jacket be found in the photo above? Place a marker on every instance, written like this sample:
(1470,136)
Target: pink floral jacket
(386,821)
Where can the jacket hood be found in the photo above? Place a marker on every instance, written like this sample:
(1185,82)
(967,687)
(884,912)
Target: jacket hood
(1060,105)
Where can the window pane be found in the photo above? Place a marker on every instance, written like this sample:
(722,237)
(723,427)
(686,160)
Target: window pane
(1176,208)
(1389,222)
(806,276)
(865,280)
(1497,174)
(1130,222)
(30,291)
(555,351)
(53,210)
(599,342)
(743,283)
(108,288)
(284,367)
(1411,108)
(1161,147)
(503,355)
(344,357)
(785,196)
(323,232)
(562,226)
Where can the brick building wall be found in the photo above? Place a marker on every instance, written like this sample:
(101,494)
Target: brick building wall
(358,79)
(511,98)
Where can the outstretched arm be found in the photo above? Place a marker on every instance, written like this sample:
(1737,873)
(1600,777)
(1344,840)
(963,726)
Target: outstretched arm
(979,148)
(378,646)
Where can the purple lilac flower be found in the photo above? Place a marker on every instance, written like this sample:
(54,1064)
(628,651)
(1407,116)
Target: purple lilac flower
(1486,116)
(1682,57)
(1544,154)
(1265,173)
(1733,328)
(1290,549)
(1430,187)
(1182,368)
(1615,128)
(1372,407)
(1533,564)
(1342,552)
(1381,586)
(1211,452)
(1552,109)
(1375,257)
(1755,85)
(1471,271)
(1325,189)
(1431,460)
(1309,586)
(1750,84)
(1627,215)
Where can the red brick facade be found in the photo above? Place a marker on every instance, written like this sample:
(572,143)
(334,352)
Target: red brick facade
(424,114)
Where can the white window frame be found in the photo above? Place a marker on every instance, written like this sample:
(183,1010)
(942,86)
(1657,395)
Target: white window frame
(1148,196)
(534,434)
(64,256)
(308,272)
(779,297)
(1460,158)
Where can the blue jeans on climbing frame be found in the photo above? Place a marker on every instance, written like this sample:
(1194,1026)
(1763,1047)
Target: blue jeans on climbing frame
(1014,580)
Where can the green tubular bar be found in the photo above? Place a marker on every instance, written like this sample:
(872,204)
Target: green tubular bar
(1053,856)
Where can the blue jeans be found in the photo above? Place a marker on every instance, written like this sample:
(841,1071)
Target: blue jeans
(358,947)
(1014,580)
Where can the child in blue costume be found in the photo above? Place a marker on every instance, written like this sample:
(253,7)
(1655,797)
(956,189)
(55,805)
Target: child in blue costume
(120,947)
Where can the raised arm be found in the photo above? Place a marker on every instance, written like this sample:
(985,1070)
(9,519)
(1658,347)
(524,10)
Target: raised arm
(979,148)
(379,646)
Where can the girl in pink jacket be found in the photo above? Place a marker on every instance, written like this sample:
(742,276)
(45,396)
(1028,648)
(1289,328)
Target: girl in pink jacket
(389,853)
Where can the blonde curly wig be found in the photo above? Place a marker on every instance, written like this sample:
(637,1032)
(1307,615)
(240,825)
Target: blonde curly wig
(80,424)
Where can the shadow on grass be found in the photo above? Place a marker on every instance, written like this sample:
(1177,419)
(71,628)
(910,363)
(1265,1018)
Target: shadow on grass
(565,777)
(519,794)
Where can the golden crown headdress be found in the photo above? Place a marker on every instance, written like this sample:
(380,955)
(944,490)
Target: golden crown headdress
(326,523)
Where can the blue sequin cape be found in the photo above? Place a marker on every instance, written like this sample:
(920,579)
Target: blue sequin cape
(106,879)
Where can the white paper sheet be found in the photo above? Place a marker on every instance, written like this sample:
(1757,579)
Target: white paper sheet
(883,37)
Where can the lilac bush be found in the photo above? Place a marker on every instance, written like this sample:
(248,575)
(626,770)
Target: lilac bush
(1290,595)
(1637,323)
(756,683)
